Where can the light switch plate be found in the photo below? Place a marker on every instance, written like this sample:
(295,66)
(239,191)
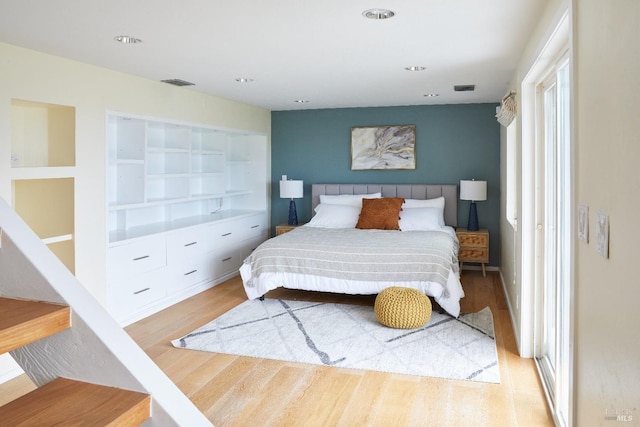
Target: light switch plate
(583,223)
(602,234)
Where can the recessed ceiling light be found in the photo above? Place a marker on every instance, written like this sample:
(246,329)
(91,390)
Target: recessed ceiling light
(127,39)
(378,14)
(415,68)
(244,80)
(301,101)
(431,95)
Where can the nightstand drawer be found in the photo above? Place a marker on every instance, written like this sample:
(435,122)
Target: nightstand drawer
(474,247)
(472,239)
(468,254)
(284,228)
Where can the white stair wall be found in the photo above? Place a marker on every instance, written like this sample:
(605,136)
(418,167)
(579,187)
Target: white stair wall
(96,349)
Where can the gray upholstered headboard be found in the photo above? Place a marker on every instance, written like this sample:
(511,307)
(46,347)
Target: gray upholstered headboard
(408,191)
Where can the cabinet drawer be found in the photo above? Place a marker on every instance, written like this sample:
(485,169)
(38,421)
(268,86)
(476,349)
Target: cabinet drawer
(191,273)
(250,227)
(238,229)
(222,231)
(128,296)
(137,257)
(470,239)
(225,262)
(187,244)
(469,254)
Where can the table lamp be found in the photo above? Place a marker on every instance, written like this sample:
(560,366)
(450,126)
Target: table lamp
(475,191)
(291,189)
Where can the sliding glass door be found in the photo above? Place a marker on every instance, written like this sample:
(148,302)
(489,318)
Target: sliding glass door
(553,355)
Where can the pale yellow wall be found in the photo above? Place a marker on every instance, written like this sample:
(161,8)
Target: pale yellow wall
(607,305)
(93,91)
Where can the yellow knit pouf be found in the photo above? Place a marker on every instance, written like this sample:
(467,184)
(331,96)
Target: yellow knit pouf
(402,308)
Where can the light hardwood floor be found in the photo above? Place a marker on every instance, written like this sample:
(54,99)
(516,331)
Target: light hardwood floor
(241,391)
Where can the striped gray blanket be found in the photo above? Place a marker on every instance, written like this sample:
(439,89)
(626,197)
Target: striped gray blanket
(352,254)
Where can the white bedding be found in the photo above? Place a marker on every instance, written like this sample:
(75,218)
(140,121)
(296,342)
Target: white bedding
(443,282)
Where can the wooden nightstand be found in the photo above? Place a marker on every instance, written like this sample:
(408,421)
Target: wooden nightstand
(283,228)
(474,247)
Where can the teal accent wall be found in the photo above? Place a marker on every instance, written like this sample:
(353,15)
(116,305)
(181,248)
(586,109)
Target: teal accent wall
(453,142)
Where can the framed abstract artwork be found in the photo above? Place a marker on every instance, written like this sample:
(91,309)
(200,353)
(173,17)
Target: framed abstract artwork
(383,147)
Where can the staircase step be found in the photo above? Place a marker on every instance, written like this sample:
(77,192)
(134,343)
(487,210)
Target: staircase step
(23,322)
(73,403)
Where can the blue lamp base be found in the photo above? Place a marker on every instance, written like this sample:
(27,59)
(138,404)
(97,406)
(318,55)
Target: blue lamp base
(473,218)
(293,215)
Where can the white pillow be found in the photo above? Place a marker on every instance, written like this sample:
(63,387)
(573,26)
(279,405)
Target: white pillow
(421,219)
(437,202)
(347,199)
(335,216)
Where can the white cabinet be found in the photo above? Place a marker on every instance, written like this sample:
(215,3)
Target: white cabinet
(188,255)
(135,274)
(186,205)
(149,273)
(235,241)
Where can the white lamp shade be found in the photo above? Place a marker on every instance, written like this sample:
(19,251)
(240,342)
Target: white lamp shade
(473,190)
(291,189)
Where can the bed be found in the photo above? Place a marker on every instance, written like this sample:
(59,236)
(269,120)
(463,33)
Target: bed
(330,254)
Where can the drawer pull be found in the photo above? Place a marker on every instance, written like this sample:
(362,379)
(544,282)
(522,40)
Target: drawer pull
(226,259)
(141,257)
(255,226)
(141,291)
(191,272)
(226,234)
(191,244)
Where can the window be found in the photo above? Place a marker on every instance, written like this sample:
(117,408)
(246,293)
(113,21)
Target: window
(511,199)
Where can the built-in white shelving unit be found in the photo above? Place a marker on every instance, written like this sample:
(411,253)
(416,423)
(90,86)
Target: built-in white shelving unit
(186,204)
(163,175)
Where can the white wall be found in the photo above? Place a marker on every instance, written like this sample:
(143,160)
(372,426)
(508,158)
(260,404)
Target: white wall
(607,305)
(517,281)
(34,76)
(606,101)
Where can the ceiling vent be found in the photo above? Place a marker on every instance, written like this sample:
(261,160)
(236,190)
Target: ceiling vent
(178,82)
(464,88)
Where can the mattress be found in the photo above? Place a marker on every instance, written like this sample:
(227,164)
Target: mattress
(353,261)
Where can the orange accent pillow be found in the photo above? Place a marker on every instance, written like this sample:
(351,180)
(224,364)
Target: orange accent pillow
(381,214)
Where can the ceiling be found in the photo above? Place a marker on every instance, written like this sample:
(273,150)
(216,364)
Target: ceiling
(324,52)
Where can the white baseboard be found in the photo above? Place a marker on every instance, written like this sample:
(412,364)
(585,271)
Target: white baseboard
(516,331)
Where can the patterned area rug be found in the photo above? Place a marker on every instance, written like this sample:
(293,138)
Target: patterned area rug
(350,336)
